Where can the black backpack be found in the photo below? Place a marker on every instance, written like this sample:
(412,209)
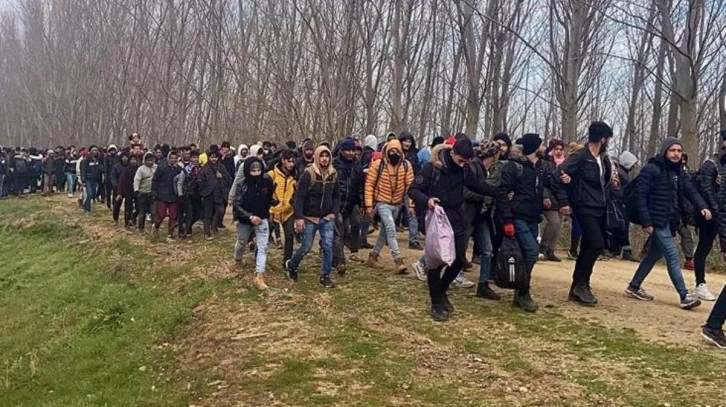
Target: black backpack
(630,198)
(510,270)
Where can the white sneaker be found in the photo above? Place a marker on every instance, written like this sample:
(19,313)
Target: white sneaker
(703,293)
(463,282)
(419,271)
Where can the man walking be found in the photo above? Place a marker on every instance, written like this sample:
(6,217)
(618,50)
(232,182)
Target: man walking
(661,185)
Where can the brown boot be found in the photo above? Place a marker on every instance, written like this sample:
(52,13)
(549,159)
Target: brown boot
(259,281)
(372,261)
(400,267)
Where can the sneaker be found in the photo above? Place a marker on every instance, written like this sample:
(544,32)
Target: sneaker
(446,304)
(476,259)
(462,282)
(70,195)
(638,293)
(140,232)
(703,293)
(690,302)
(415,246)
(209,237)
(551,256)
(170,239)
(355,259)
(326,282)
(484,291)
(438,313)
(582,294)
(571,255)
(419,271)
(291,274)
(148,217)
(524,301)
(715,336)
(689,264)
(259,281)
(603,258)
(628,255)
(541,257)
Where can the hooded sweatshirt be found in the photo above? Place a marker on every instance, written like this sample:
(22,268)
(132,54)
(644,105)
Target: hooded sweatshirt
(385,182)
(239,158)
(143,177)
(285,185)
(318,194)
(254,194)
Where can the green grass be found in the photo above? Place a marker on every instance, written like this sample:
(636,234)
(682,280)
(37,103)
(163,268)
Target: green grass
(90,321)
(77,329)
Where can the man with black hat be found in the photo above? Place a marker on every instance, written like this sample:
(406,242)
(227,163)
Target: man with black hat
(350,185)
(586,175)
(661,186)
(442,182)
(524,179)
(306,158)
(505,144)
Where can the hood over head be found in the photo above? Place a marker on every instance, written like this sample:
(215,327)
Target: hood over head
(255,149)
(436,153)
(250,162)
(148,155)
(323,172)
(110,147)
(408,136)
(627,160)
(393,145)
(370,141)
(241,147)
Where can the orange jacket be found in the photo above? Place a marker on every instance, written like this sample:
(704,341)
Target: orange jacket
(390,183)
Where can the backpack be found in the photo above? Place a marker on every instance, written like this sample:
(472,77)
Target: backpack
(510,271)
(630,197)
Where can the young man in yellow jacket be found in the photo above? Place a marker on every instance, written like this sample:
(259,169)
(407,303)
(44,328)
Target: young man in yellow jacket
(283,176)
(386,187)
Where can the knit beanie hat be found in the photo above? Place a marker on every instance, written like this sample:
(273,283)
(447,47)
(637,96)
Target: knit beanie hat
(530,142)
(347,145)
(504,137)
(627,160)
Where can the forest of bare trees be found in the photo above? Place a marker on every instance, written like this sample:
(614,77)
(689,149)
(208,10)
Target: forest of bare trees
(83,71)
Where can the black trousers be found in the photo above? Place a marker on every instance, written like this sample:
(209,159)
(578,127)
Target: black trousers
(185,215)
(439,284)
(707,232)
(131,210)
(144,201)
(288,228)
(213,213)
(591,247)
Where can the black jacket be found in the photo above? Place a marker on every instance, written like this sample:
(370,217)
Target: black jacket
(587,192)
(300,164)
(211,186)
(350,182)
(71,164)
(254,197)
(526,180)
(91,169)
(707,183)
(163,185)
(441,178)
(228,163)
(125,186)
(116,174)
(412,153)
(660,187)
(315,197)
(551,188)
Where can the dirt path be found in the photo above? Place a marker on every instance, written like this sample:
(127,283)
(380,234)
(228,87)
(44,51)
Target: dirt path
(660,320)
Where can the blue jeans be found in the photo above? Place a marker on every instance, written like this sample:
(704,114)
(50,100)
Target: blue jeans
(388,214)
(412,225)
(483,236)
(327,230)
(91,191)
(262,234)
(71,182)
(526,235)
(662,245)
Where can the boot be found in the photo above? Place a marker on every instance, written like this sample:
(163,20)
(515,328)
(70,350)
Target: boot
(484,291)
(400,267)
(551,256)
(259,281)
(523,300)
(446,304)
(438,313)
(583,294)
(372,261)
(628,255)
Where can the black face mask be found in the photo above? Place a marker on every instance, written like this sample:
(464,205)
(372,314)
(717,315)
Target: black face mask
(394,159)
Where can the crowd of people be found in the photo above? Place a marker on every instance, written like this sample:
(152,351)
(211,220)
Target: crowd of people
(282,196)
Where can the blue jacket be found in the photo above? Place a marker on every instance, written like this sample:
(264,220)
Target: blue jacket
(659,191)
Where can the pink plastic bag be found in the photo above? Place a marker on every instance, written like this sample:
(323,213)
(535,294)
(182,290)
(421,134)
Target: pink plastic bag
(440,248)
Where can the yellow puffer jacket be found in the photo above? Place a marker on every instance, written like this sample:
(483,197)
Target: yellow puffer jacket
(393,183)
(284,192)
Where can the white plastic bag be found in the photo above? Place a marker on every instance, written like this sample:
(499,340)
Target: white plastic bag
(440,248)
